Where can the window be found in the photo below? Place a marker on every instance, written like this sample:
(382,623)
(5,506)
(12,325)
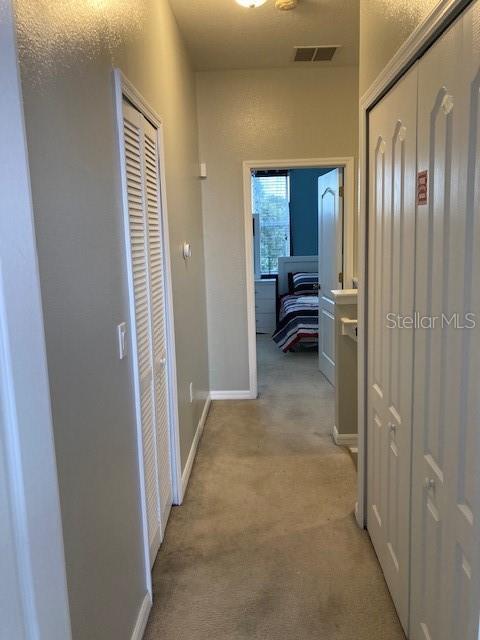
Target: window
(270,202)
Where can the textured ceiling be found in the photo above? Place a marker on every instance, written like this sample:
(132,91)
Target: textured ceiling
(222,35)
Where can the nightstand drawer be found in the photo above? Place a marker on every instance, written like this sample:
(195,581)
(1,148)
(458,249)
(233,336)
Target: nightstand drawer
(265,322)
(265,289)
(264,305)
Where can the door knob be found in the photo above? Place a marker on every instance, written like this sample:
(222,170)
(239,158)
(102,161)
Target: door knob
(393,428)
(429,484)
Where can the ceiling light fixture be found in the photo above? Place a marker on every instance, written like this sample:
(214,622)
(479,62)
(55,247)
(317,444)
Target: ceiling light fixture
(286,5)
(250,4)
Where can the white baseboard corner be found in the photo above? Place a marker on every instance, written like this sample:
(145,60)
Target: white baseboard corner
(232,395)
(193,449)
(142,618)
(344,439)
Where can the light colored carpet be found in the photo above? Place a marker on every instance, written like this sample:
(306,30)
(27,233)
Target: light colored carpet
(265,546)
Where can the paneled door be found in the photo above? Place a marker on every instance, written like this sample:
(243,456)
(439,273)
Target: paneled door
(391,223)
(330,259)
(146,271)
(445,598)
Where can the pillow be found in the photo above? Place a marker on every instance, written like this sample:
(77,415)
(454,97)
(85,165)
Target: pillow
(305,284)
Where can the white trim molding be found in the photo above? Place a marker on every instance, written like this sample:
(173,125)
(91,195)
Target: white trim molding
(193,449)
(416,44)
(233,395)
(142,618)
(348,166)
(413,48)
(344,439)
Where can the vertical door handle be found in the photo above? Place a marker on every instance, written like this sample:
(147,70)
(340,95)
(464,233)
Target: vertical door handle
(429,484)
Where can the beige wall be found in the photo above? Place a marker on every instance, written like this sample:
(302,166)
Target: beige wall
(68,53)
(257,115)
(384,27)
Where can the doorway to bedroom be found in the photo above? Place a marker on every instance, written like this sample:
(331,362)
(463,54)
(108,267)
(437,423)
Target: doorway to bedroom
(299,220)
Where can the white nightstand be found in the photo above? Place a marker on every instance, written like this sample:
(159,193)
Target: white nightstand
(266,305)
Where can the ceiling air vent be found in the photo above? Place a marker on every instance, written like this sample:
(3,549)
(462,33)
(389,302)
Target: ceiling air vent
(314,54)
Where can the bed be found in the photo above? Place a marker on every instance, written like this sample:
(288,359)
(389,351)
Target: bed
(297,313)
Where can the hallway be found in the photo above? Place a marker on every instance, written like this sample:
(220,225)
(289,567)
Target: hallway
(266,545)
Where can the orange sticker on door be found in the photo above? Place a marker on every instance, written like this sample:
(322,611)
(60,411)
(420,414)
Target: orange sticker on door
(422,187)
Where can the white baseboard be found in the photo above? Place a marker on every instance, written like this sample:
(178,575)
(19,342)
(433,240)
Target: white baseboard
(142,618)
(344,439)
(193,449)
(232,395)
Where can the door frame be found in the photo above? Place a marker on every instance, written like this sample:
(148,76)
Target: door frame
(348,166)
(125,89)
(425,34)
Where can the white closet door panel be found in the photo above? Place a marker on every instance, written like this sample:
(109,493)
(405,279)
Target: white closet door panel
(464,537)
(330,258)
(158,318)
(437,131)
(463,604)
(446,484)
(391,271)
(133,136)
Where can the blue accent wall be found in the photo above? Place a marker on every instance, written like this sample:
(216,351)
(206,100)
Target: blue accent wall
(304,210)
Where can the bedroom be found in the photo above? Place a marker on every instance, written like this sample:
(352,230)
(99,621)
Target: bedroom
(285,232)
(304,318)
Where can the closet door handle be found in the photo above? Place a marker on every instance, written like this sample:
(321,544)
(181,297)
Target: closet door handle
(161,361)
(393,428)
(429,484)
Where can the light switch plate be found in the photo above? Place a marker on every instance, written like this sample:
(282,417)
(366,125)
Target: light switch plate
(122,340)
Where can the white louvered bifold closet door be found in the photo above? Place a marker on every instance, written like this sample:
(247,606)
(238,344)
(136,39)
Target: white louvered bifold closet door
(159,336)
(148,319)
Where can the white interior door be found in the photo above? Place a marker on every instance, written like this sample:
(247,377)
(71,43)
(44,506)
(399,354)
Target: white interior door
(158,319)
(445,535)
(133,140)
(392,173)
(148,320)
(330,258)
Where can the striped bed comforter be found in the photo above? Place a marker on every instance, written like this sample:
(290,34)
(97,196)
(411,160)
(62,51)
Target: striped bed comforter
(297,321)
